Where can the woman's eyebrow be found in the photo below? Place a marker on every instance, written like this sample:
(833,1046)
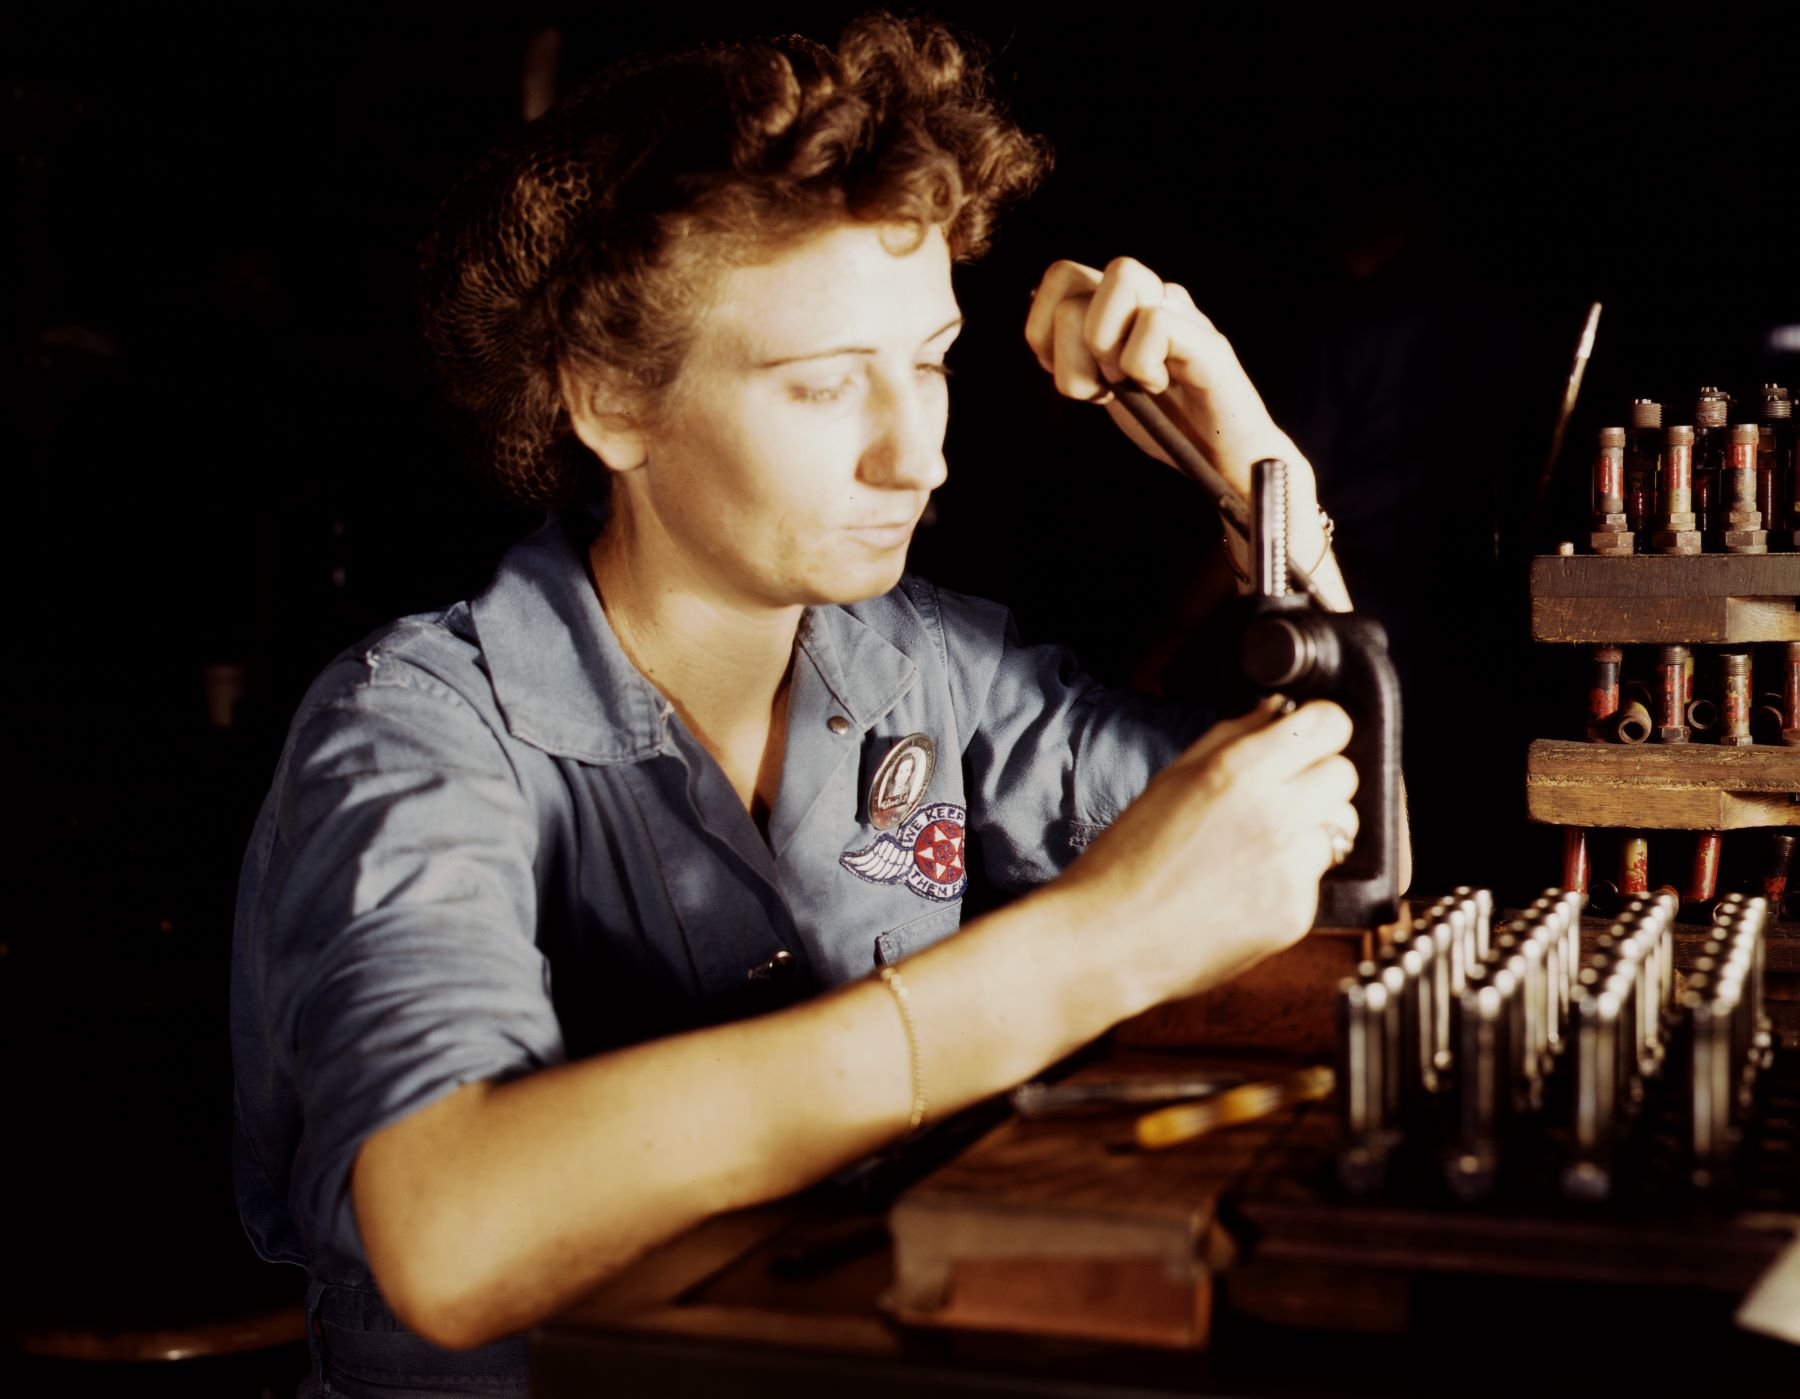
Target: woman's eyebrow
(942,330)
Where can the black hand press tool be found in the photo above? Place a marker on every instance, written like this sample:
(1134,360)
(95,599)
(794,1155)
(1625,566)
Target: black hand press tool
(1294,645)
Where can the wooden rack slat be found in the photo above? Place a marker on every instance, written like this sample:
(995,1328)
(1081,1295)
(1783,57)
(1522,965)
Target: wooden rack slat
(1662,786)
(1703,599)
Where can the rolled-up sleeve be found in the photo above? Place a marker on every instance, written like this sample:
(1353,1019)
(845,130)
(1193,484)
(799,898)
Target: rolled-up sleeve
(393,924)
(1052,756)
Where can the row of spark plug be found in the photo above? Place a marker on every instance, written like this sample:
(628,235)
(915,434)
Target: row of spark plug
(1622,1026)
(1730,1036)
(1403,1019)
(1685,488)
(1668,710)
(1765,871)
(1449,1042)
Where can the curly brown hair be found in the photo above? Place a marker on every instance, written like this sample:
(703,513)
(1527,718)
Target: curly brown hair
(584,252)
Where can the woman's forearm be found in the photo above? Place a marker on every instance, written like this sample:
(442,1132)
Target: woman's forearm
(491,1209)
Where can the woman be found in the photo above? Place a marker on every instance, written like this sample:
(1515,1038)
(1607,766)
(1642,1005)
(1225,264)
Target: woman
(557,932)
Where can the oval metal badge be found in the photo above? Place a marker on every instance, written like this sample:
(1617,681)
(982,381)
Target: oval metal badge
(901,781)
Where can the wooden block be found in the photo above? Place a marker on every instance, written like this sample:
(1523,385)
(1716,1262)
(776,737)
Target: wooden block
(1665,621)
(1662,786)
(1665,575)
(1057,1226)
(1134,1301)
(1285,1003)
(1654,598)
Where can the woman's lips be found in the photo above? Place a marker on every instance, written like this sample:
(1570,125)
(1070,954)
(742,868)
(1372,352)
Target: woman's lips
(886,536)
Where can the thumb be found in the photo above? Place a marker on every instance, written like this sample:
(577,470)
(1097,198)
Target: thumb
(1263,713)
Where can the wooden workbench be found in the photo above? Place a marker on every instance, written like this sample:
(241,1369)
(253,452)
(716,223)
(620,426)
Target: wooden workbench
(796,1300)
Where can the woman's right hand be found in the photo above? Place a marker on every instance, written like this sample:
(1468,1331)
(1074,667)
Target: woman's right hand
(1091,328)
(1217,864)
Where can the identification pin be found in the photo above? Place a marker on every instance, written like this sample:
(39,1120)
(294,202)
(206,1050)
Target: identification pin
(901,781)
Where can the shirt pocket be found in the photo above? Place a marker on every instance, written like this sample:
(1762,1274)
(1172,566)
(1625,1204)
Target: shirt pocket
(897,944)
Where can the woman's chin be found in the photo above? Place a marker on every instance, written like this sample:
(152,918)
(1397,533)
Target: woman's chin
(866,579)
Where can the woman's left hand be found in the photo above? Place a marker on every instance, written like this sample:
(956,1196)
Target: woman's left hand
(1090,328)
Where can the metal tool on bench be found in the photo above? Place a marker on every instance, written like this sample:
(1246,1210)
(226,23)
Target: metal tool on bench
(1174,1126)
(1037,1099)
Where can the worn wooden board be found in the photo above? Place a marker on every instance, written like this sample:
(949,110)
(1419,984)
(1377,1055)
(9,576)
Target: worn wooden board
(1662,786)
(1666,575)
(1704,599)
(1058,1226)
(1664,621)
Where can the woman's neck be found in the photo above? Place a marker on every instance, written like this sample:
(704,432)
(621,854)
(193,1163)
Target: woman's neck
(723,663)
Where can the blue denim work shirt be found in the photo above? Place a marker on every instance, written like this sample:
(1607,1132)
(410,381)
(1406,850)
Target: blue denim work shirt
(492,846)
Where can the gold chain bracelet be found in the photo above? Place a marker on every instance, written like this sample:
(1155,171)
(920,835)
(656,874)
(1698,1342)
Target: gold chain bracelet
(891,979)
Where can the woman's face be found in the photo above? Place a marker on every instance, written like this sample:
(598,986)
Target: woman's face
(806,430)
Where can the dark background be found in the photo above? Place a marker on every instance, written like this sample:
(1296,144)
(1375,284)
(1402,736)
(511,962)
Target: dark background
(223,453)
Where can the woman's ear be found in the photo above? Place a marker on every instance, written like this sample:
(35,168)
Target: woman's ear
(605,427)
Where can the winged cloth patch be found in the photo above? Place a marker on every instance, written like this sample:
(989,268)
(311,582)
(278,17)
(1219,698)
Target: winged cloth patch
(926,854)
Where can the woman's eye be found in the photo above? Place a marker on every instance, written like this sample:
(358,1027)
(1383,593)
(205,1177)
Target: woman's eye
(820,393)
(831,393)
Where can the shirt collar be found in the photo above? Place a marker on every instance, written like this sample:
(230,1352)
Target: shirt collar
(564,684)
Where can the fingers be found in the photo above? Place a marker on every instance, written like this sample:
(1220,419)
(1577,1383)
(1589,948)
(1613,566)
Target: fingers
(1177,298)
(1177,342)
(1082,322)
(1127,289)
(1074,368)
(1144,355)
(1060,281)
(1328,806)
(1320,809)
(1090,329)
(1327,784)
(1328,848)
(1287,745)
(1228,731)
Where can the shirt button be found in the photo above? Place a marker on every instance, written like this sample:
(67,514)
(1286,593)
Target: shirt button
(775,969)
(838,724)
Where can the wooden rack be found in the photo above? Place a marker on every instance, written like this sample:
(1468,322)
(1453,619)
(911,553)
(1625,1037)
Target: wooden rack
(1651,599)
(1661,599)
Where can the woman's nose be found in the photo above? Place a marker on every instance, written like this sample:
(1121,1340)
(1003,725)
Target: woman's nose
(906,451)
